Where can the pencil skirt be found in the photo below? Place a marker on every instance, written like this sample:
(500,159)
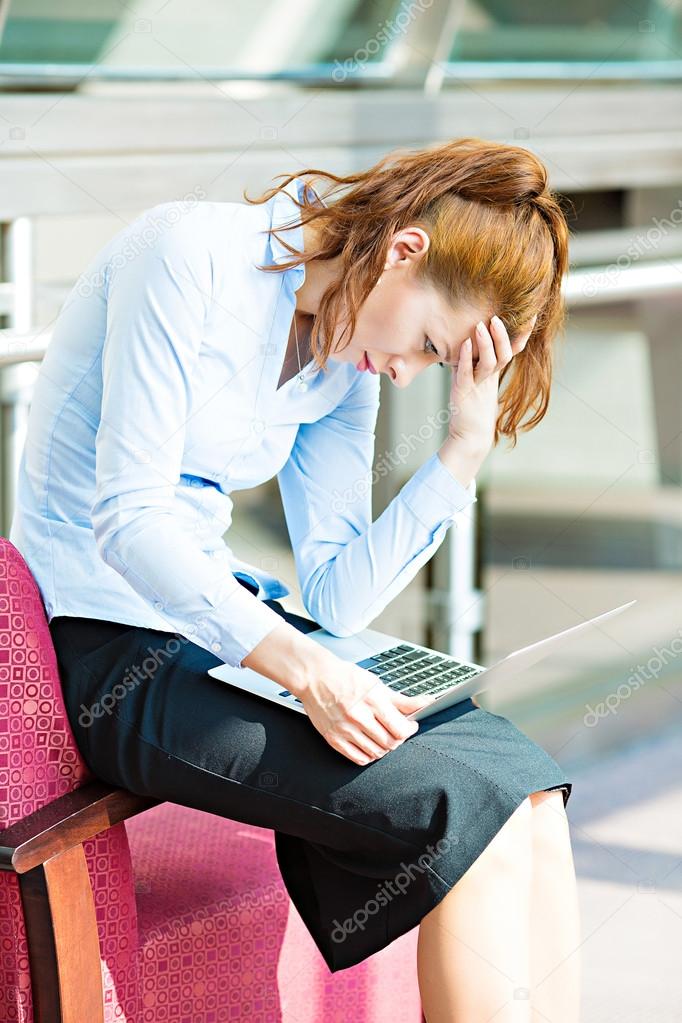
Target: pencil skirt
(364,852)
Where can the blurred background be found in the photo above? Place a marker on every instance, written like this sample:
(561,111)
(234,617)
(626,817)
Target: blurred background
(108,108)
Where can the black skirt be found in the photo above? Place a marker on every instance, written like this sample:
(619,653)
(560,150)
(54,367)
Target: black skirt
(364,852)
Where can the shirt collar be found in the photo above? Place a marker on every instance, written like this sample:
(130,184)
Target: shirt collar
(284,211)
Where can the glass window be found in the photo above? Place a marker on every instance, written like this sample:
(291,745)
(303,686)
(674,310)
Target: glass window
(250,36)
(582,30)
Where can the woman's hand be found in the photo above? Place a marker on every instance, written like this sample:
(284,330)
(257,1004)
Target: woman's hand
(474,391)
(356,713)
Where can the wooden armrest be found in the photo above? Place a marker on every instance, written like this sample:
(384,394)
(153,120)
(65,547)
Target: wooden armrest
(67,822)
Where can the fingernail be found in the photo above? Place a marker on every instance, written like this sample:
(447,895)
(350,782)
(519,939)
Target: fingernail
(480,327)
(497,319)
(534,318)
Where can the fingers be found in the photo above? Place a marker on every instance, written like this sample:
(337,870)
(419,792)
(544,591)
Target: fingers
(353,741)
(357,735)
(503,346)
(411,704)
(392,716)
(465,366)
(382,733)
(495,348)
(376,714)
(350,750)
(374,726)
(488,358)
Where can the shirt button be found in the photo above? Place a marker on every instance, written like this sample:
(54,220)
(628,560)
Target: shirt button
(158,605)
(216,646)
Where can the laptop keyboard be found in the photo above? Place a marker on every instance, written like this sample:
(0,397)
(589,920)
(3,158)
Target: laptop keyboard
(412,671)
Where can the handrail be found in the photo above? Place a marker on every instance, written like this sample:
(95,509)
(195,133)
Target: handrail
(17,347)
(604,285)
(380,71)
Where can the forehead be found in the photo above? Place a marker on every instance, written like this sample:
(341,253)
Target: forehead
(450,313)
(454,324)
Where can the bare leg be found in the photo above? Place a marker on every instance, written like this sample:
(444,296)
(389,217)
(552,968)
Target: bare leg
(473,956)
(555,924)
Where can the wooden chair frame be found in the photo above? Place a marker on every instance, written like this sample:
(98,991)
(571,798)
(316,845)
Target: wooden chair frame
(46,851)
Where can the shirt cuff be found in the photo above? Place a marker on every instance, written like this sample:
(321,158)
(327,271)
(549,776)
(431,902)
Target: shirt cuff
(433,494)
(233,629)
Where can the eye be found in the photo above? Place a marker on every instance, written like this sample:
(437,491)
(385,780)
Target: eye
(432,350)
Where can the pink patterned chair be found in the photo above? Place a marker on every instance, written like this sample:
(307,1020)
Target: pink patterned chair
(114,907)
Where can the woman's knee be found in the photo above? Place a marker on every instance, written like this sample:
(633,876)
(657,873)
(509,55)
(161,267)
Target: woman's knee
(549,824)
(512,842)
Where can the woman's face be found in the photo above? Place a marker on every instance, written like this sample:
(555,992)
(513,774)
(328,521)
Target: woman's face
(404,326)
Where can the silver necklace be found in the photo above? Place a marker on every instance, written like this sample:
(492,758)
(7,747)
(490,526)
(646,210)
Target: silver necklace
(301,381)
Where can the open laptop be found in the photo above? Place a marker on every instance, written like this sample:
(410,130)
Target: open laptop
(413,669)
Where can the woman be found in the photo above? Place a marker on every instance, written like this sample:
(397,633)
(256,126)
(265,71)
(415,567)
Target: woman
(209,359)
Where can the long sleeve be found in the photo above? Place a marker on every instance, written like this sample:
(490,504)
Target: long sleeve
(349,568)
(157,306)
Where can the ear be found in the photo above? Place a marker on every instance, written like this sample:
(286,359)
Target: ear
(407,245)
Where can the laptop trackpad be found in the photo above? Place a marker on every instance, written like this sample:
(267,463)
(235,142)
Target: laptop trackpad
(352,648)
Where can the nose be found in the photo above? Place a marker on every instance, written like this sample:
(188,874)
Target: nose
(403,371)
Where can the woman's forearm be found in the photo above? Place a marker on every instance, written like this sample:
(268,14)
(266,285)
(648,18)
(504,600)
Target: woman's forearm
(460,459)
(289,658)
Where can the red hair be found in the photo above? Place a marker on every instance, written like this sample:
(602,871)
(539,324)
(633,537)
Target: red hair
(498,237)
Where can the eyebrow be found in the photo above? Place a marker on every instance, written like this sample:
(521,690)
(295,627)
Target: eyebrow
(449,361)
(448,354)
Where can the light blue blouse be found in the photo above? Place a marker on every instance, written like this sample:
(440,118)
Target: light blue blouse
(158,398)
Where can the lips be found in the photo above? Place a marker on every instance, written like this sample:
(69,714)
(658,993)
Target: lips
(365,364)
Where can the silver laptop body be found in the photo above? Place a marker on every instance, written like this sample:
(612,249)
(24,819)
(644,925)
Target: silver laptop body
(413,669)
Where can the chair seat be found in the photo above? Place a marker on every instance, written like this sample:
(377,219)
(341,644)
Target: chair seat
(220,940)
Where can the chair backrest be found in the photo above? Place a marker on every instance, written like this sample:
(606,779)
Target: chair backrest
(39,759)
(39,762)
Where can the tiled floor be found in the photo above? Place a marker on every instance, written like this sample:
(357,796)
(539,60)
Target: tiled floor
(625,814)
